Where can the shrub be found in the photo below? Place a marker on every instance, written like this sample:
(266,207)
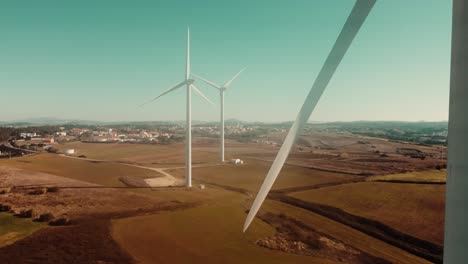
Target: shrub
(60,222)
(52,150)
(53,189)
(38,191)
(5,208)
(5,190)
(26,213)
(45,217)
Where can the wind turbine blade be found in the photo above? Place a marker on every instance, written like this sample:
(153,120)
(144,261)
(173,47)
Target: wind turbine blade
(201,94)
(354,22)
(187,65)
(226,85)
(215,85)
(167,91)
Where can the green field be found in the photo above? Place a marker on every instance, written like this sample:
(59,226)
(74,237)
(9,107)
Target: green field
(13,228)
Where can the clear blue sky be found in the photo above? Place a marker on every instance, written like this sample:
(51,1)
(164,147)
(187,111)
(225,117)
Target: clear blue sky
(98,60)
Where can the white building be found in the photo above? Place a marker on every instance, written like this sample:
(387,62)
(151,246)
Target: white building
(26,135)
(69,151)
(237,161)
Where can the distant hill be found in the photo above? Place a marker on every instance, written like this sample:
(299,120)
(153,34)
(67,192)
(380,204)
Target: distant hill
(44,121)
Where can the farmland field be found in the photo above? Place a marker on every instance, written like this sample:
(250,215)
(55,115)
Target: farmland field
(250,175)
(150,155)
(102,173)
(435,176)
(148,223)
(216,236)
(416,209)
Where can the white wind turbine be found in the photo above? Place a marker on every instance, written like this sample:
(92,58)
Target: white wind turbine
(354,22)
(188,133)
(221,89)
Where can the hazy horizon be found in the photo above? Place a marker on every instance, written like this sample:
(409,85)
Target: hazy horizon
(64,120)
(99,61)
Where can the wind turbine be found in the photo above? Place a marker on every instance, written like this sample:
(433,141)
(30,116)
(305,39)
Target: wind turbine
(456,216)
(354,22)
(188,129)
(221,89)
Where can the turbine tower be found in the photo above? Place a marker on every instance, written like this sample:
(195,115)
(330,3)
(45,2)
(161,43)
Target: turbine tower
(456,215)
(221,90)
(354,22)
(188,129)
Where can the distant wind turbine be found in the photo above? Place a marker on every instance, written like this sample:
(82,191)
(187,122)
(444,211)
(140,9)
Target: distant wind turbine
(222,89)
(188,133)
(354,22)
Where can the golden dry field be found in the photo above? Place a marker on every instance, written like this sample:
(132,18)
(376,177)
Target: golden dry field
(178,224)
(211,233)
(250,175)
(102,173)
(435,176)
(416,209)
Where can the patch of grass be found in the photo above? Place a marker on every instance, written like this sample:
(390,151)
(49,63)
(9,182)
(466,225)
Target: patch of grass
(433,176)
(13,228)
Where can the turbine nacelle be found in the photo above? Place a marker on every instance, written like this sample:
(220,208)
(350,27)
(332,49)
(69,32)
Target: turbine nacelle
(223,87)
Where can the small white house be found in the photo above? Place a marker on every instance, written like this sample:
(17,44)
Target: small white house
(69,152)
(237,161)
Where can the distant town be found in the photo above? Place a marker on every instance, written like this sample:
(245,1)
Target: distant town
(20,139)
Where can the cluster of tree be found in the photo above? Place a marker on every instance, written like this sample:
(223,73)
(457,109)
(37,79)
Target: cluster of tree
(247,136)
(5,133)
(10,152)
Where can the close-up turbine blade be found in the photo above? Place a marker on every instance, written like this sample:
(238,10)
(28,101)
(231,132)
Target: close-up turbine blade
(187,64)
(167,91)
(351,27)
(201,94)
(226,85)
(213,84)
